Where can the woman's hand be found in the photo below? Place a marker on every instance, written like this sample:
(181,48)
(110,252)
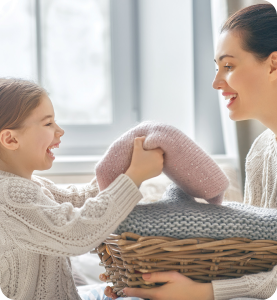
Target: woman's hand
(177,287)
(145,164)
(108,290)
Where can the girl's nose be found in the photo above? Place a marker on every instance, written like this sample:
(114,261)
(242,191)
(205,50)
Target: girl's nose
(60,131)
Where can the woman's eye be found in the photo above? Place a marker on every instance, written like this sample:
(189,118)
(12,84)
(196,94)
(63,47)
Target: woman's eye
(228,67)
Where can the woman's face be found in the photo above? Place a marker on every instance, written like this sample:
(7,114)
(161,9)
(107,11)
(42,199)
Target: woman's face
(244,76)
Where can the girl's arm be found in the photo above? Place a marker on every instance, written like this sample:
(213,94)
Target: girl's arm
(72,194)
(259,286)
(144,165)
(37,223)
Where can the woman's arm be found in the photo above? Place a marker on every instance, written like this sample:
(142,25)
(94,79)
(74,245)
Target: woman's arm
(261,286)
(177,287)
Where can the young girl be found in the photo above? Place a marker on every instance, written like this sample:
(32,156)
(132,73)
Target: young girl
(42,225)
(246,56)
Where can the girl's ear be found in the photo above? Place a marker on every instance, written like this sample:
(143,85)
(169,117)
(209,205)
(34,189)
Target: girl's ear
(273,65)
(7,139)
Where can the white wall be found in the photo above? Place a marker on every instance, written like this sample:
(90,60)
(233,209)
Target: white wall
(166,62)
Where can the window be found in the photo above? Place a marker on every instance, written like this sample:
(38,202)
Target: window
(109,64)
(82,52)
(76,59)
(18,40)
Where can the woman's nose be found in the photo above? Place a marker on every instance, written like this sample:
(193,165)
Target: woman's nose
(218,83)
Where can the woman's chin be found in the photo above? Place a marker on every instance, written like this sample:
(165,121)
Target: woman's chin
(236,117)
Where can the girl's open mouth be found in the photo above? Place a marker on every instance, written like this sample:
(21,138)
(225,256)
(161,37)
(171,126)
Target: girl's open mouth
(49,152)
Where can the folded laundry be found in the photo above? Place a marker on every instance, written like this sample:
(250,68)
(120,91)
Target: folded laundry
(178,215)
(185,163)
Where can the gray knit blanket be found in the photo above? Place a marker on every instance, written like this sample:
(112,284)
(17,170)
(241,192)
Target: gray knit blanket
(178,215)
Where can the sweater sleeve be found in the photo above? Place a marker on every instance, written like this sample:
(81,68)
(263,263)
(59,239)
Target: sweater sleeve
(259,286)
(72,194)
(39,224)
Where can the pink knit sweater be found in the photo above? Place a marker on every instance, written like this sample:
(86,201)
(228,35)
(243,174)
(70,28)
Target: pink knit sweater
(185,162)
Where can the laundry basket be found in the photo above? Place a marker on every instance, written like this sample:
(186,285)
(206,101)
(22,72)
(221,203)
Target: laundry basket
(127,256)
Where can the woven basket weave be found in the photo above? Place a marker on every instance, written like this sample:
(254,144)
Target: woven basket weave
(126,256)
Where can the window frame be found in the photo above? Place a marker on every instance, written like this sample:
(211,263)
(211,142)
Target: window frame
(94,139)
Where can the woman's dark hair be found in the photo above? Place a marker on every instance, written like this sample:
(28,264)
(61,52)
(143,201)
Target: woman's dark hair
(256,26)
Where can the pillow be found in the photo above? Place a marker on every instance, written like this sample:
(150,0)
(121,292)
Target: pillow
(185,163)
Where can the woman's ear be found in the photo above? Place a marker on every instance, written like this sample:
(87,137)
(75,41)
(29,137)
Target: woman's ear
(273,65)
(8,140)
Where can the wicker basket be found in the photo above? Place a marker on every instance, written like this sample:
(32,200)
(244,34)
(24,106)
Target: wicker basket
(126,256)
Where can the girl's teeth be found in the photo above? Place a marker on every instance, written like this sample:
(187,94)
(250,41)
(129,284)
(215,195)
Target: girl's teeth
(50,152)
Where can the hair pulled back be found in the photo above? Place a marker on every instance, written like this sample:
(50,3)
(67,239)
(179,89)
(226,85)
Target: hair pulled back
(18,98)
(256,25)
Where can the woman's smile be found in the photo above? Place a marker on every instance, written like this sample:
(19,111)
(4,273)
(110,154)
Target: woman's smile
(240,74)
(230,97)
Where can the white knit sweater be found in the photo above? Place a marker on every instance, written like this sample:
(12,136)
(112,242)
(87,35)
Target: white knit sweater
(261,191)
(42,225)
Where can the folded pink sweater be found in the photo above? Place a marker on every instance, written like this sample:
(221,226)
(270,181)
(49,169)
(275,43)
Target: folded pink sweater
(185,163)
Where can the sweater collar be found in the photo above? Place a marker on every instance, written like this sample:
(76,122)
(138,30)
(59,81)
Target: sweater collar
(273,135)
(8,174)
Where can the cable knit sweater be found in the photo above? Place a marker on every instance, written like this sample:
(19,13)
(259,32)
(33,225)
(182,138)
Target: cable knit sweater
(42,225)
(261,191)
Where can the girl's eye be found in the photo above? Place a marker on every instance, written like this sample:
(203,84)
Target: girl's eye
(50,123)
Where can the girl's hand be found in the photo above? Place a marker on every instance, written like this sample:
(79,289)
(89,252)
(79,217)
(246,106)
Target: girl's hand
(145,164)
(177,287)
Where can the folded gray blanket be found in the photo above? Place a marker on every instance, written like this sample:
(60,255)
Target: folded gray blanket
(178,215)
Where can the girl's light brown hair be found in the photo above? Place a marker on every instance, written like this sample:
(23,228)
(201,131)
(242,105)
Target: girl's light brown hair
(18,98)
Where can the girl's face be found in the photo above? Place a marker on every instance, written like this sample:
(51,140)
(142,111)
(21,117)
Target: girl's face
(244,76)
(39,132)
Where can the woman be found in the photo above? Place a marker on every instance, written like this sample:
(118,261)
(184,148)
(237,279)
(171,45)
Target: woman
(246,56)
